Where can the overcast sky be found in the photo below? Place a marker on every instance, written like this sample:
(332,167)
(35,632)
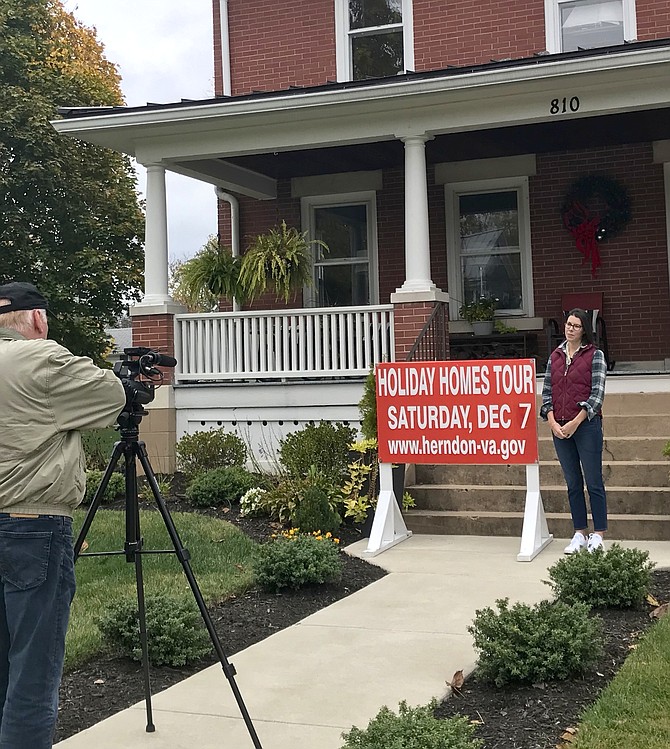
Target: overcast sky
(163,50)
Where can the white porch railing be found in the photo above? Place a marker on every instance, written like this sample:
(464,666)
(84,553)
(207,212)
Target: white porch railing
(298,343)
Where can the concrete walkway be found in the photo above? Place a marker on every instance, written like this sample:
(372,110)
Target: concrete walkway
(402,637)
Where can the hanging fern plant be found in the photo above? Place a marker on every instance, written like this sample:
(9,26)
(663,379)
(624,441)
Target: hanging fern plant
(281,259)
(213,271)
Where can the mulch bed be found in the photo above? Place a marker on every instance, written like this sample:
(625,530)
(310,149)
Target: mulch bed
(522,718)
(535,717)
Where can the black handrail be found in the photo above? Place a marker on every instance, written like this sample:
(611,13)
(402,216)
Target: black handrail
(432,343)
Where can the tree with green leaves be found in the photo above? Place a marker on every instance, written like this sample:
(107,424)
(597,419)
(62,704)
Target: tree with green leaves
(70,218)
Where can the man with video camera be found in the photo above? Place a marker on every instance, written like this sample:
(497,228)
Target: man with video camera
(47,395)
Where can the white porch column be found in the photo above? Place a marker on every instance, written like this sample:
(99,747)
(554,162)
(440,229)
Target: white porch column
(417,241)
(156,244)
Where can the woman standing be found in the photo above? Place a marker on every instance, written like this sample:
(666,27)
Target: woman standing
(572,398)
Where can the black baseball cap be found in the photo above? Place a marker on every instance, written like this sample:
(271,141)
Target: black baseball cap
(21,295)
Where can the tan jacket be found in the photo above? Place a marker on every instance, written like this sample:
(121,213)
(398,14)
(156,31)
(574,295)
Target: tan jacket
(46,396)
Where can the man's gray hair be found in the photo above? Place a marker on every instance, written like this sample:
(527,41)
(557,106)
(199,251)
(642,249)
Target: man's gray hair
(19,320)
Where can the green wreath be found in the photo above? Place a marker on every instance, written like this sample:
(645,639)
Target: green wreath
(587,227)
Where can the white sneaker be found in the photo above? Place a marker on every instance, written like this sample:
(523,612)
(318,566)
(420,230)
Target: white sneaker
(577,544)
(595,542)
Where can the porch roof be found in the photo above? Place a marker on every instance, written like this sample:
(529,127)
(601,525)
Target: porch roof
(244,143)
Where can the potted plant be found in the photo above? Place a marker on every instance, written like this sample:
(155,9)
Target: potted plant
(281,259)
(479,313)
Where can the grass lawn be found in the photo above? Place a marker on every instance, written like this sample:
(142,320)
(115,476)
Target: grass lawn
(634,709)
(220,558)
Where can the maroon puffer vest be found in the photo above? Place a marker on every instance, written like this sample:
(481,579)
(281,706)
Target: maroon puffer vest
(571,387)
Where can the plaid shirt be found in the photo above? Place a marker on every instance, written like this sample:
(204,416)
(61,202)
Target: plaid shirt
(594,404)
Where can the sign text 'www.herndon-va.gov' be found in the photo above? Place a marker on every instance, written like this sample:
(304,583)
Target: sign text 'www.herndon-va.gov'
(480,411)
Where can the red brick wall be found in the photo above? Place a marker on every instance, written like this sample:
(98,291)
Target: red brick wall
(465,33)
(391,233)
(280,43)
(653,19)
(634,272)
(275,44)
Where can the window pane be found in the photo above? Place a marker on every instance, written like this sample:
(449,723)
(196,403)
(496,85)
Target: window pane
(366,13)
(344,229)
(343,285)
(591,23)
(377,56)
(498,276)
(489,221)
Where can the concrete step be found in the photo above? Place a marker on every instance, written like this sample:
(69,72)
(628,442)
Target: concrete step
(468,499)
(630,404)
(620,473)
(617,425)
(628,527)
(616,448)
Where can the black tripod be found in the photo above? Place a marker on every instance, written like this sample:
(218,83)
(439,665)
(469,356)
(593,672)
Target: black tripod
(132,449)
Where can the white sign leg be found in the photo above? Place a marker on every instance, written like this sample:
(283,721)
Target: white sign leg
(535,534)
(388,525)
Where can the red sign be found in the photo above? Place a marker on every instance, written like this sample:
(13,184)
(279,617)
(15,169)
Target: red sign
(479,411)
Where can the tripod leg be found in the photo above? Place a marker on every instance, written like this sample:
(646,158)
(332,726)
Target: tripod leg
(133,551)
(97,497)
(184,556)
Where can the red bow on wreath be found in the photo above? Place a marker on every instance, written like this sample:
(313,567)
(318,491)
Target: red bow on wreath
(584,228)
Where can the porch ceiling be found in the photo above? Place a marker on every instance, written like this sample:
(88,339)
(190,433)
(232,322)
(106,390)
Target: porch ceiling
(616,129)
(245,143)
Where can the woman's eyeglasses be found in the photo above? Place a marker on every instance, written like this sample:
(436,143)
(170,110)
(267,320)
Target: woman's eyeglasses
(573,326)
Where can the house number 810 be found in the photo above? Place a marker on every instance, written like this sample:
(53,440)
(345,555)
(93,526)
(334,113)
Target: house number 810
(561,106)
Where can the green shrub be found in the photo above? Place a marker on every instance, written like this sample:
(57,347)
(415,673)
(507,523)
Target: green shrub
(367,407)
(545,642)
(116,488)
(412,728)
(202,451)
(219,485)
(314,512)
(617,578)
(280,501)
(297,561)
(323,445)
(98,445)
(175,633)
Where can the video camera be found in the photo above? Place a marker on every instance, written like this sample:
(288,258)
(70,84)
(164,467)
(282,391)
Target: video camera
(140,361)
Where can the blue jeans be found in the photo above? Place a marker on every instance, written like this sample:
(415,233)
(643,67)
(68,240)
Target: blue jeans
(37,586)
(584,452)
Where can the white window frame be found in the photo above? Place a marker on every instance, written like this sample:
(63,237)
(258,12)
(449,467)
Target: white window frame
(552,23)
(343,41)
(452,191)
(369,199)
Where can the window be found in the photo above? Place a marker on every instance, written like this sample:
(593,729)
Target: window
(488,245)
(588,24)
(374,38)
(345,275)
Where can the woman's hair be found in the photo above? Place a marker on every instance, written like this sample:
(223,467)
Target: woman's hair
(587,324)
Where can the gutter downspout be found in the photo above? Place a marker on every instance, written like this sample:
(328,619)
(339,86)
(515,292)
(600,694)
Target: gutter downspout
(221,194)
(224,31)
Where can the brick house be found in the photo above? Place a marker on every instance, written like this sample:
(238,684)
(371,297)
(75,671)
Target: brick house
(432,146)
